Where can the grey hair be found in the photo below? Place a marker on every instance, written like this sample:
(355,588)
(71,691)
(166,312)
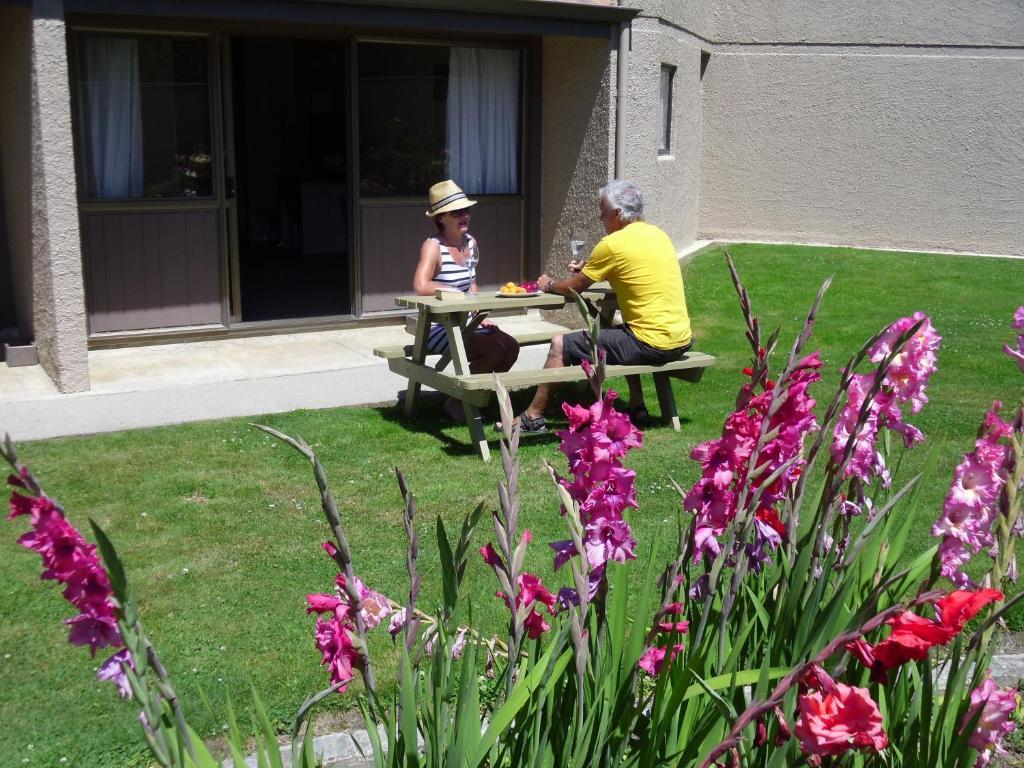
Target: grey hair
(626,197)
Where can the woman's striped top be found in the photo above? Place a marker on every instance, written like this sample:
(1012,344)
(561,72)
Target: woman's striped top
(454,275)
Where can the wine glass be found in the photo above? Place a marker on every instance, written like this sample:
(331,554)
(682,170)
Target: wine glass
(576,244)
(471,259)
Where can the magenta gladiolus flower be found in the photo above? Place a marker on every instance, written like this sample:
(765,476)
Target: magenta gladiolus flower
(997,707)
(531,591)
(535,625)
(71,561)
(339,654)
(726,461)
(598,439)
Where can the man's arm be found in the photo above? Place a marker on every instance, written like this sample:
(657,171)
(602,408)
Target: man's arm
(578,282)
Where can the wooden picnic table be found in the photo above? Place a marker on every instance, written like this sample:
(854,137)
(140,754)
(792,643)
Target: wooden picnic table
(465,314)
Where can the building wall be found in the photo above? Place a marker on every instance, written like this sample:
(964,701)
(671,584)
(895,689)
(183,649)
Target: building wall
(669,182)
(15,170)
(863,123)
(58,294)
(576,146)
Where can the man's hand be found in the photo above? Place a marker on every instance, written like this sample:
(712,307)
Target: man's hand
(576,265)
(578,282)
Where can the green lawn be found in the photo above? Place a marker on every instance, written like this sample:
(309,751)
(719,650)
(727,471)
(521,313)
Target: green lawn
(220,527)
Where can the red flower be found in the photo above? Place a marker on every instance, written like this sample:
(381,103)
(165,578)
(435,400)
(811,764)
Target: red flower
(957,608)
(770,517)
(912,635)
(845,719)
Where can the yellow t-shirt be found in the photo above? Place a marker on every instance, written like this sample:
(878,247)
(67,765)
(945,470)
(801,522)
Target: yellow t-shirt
(641,264)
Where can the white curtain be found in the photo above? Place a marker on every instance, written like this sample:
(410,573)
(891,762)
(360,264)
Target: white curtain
(113,116)
(483,120)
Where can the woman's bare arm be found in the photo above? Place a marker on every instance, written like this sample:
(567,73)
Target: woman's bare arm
(430,259)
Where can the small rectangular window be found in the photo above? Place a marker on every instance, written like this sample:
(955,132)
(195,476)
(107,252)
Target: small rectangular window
(665,109)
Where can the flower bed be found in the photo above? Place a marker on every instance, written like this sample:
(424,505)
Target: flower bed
(782,629)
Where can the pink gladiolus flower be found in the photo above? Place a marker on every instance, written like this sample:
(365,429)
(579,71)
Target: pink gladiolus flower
(322,603)
(997,707)
(609,540)
(904,382)
(726,461)
(653,659)
(112,670)
(1017,355)
(397,623)
(971,507)
(832,723)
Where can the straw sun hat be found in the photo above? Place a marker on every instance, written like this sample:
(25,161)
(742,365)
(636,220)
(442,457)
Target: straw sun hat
(446,196)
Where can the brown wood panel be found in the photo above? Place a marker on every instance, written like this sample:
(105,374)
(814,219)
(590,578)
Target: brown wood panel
(151,269)
(391,234)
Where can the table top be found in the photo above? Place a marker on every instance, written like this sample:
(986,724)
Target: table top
(487,301)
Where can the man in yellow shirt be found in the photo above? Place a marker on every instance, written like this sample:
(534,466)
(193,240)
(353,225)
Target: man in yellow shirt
(640,262)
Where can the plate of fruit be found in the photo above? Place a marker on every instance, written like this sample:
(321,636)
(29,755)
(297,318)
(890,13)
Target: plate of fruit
(512,290)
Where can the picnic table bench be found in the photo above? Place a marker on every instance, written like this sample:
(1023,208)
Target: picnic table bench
(475,390)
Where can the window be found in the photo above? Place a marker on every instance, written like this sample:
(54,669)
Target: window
(144,116)
(427,113)
(665,109)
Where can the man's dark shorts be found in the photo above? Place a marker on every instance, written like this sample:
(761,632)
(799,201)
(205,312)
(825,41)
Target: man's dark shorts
(620,346)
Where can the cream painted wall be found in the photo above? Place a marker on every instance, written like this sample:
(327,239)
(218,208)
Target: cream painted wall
(58,293)
(919,22)
(16,161)
(885,148)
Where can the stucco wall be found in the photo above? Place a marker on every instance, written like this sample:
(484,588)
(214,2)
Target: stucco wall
(919,22)
(918,149)
(15,169)
(669,182)
(58,294)
(576,146)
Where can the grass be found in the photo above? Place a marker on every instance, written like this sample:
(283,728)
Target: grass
(219,525)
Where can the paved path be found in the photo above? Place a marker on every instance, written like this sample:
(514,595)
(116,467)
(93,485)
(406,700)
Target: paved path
(175,383)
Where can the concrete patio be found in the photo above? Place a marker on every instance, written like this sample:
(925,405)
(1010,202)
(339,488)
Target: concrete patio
(176,383)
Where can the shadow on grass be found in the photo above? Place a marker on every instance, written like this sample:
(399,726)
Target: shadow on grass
(430,418)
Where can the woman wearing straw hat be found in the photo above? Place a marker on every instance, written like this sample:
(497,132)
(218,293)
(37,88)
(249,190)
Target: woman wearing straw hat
(448,262)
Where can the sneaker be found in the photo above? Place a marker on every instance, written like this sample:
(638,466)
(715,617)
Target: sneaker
(527,425)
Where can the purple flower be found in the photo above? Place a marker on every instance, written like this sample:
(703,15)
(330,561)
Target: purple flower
(567,597)
(112,670)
